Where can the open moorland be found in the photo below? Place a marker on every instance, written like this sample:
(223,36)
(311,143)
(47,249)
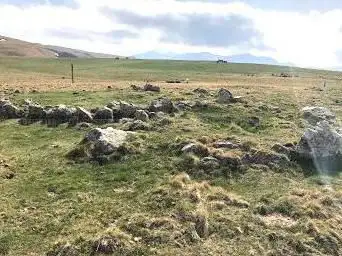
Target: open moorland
(183,167)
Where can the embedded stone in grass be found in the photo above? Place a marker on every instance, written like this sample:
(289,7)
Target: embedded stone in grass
(224,96)
(196,149)
(162,105)
(107,245)
(100,144)
(141,115)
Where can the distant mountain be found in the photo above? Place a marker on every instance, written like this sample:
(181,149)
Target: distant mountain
(17,48)
(206,56)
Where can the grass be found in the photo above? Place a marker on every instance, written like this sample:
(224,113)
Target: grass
(145,201)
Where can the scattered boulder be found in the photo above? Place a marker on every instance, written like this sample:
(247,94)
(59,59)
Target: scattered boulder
(209,163)
(314,115)
(321,141)
(127,109)
(224,96)
(196,149)
(162,105)
(151,88)
(59,115)
(141,115)
(8,110)
(104,115)
(101,144)
(83,115)
(182,105)
(34,111)
(138,125)
(115,107)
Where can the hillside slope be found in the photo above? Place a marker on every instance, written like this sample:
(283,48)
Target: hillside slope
(11,47)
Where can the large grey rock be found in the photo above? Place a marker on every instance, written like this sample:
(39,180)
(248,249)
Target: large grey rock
(8,110)
(320,141)
(60,114)
(141,115)
(101,143)
(162,105)
(127,109)
(314,115)
(115,107)
(34,111)
(224,96)
(83,115)
(104,115)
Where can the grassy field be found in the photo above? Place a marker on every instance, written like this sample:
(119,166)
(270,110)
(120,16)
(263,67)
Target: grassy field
(146,201)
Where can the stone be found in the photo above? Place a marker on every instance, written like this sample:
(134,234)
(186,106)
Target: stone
(151,88)
(138,125)
(224,96)
(237,99)
(34,111)
(281,149)
(200,104)
(8,110)
(83,115)
(273,160)
(162,105)
(225,144)
(182,105)
(321,141)
(196,149)
(209,163)
(314,115)
(99,143)
(104,115)
(141,115)
(254,121)
(106,245)
(59,115)
(127,109)
(115,107)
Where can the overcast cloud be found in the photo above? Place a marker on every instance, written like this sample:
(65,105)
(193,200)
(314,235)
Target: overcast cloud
(305,33)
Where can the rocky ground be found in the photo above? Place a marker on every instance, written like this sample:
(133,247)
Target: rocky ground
(154,170)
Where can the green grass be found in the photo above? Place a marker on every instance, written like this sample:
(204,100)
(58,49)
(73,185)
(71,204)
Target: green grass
(128,70)
(52,199)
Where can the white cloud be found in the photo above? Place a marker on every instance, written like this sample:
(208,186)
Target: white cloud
(304,39)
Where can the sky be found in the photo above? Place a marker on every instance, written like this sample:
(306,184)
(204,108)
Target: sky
(305,33)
